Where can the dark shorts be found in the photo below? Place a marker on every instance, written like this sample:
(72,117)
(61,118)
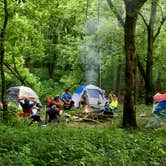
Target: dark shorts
(36,118)
(84,102)
(53,113)
(68,106)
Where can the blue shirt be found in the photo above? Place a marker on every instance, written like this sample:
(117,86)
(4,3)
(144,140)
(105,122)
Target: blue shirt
(66,96)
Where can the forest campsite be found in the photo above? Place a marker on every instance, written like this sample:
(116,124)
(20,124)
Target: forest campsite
(82,83)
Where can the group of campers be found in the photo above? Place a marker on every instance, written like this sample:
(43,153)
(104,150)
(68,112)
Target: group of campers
(55,106)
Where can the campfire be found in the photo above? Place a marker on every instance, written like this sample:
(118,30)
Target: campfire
(87,110)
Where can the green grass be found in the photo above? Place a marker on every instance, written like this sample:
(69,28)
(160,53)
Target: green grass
(83,144)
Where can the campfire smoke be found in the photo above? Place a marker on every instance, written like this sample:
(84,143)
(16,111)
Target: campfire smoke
(91,57)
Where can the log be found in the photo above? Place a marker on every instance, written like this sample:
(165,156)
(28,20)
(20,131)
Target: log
(90,120)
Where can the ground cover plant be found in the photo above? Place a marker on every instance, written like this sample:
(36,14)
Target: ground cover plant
(82,144)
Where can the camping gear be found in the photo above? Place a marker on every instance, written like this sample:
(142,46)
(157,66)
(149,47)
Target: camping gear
(159,97)
(159,105)
(95,94)
(153,123)
(14,93)
(159,108)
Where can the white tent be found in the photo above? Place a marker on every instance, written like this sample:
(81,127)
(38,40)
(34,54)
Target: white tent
(14,93)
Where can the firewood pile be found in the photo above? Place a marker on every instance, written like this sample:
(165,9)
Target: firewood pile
(88,115)
(93,117)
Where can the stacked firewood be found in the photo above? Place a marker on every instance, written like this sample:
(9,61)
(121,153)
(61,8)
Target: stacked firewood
(93,117)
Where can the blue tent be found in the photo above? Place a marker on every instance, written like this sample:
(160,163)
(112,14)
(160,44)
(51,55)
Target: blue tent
(95,94)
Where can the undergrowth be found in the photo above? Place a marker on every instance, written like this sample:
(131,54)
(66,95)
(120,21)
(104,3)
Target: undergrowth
(81,144)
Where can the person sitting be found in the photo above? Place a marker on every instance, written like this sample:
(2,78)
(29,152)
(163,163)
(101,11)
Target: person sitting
(110,95)
(67,99)
(52,113)
(110,107)
(59,104)
(113,102)
(105,109)
(84,100)
(26,105)
(35,116)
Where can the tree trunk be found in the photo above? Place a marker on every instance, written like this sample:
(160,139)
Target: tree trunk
(158,87)
(149,60)
(151,37)
(116,83)
(2,54)
(129,111)
(140,88)
(149,64)
(50,69)
(147,74)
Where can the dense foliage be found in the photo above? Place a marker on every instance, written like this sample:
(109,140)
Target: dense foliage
(51,45)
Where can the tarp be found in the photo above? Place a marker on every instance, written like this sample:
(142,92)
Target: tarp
(95,95)
(159,106)
(159,97)
(14,93)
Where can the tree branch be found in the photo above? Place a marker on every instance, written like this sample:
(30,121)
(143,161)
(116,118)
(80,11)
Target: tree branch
(161,24)
(159,28)
(144,20)
(116,13)
(17,74)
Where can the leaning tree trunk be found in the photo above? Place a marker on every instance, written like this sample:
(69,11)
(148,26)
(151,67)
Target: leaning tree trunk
(2,54)
(129,111)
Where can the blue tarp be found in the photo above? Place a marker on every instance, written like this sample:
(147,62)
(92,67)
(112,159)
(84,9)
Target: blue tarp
(160,108)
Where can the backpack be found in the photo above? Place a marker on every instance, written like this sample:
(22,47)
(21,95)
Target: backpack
(49,101)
